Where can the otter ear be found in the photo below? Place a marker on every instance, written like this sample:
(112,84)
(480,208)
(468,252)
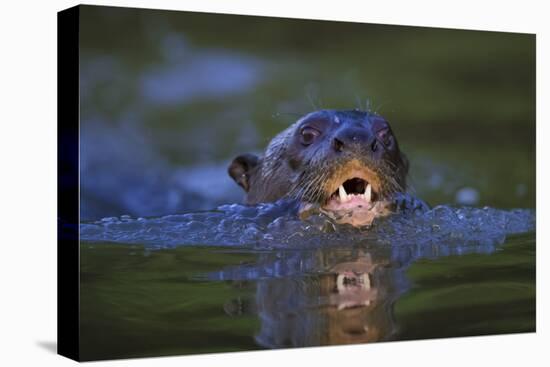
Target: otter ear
(241,167)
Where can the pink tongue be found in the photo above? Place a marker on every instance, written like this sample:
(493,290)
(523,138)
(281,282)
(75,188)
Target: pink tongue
(355,202)
(348,274)
(357,212)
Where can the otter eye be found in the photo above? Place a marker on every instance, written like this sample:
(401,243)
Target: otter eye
(308,135)
(385,137)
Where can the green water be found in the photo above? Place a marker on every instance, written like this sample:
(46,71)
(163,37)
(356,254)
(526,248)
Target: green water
(462,105)
(472,294)
(136,303)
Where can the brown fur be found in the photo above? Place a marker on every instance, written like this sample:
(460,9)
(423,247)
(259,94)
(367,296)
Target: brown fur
(312,173)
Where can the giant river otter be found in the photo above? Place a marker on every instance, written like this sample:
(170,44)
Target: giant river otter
(346,164)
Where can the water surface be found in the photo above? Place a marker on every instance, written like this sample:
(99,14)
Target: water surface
(242,278)
(137,302)
(172,263)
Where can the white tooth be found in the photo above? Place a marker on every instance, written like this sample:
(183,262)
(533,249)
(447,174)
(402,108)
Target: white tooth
(366,281)
(368,192)
(342,193)
(340,282)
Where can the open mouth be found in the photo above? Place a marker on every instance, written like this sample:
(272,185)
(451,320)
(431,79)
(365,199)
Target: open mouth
(355,192)
(355,196)
(353,289)
(350,281)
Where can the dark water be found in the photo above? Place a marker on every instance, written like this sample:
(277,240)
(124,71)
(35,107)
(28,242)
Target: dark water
(256,277)
(136,302)
(171,265)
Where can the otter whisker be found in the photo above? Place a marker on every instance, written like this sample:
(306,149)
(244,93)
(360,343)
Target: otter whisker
(368,105)
(293,114)
(327,158)
(318,189)
(311,183)
(358,103)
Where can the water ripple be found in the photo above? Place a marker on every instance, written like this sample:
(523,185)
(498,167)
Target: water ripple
(276,225)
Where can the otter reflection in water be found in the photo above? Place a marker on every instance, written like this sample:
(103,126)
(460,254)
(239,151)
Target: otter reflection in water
(321,297)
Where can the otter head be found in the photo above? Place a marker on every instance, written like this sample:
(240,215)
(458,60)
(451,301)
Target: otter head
(347,164)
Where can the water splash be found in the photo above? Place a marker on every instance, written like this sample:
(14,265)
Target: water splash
(275,225)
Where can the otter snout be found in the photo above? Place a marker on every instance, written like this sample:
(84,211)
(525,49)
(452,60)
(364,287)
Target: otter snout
(348,163)
(354,140)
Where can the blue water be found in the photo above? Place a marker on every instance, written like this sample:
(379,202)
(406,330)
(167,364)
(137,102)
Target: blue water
(277,226)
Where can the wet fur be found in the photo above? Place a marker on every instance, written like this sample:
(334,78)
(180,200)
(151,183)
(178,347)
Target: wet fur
(284,171)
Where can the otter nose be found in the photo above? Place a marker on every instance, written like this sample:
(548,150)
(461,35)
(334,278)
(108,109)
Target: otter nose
(349,138)
(337,144)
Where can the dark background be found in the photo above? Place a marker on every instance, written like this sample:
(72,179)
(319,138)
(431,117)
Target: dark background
(169,98)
